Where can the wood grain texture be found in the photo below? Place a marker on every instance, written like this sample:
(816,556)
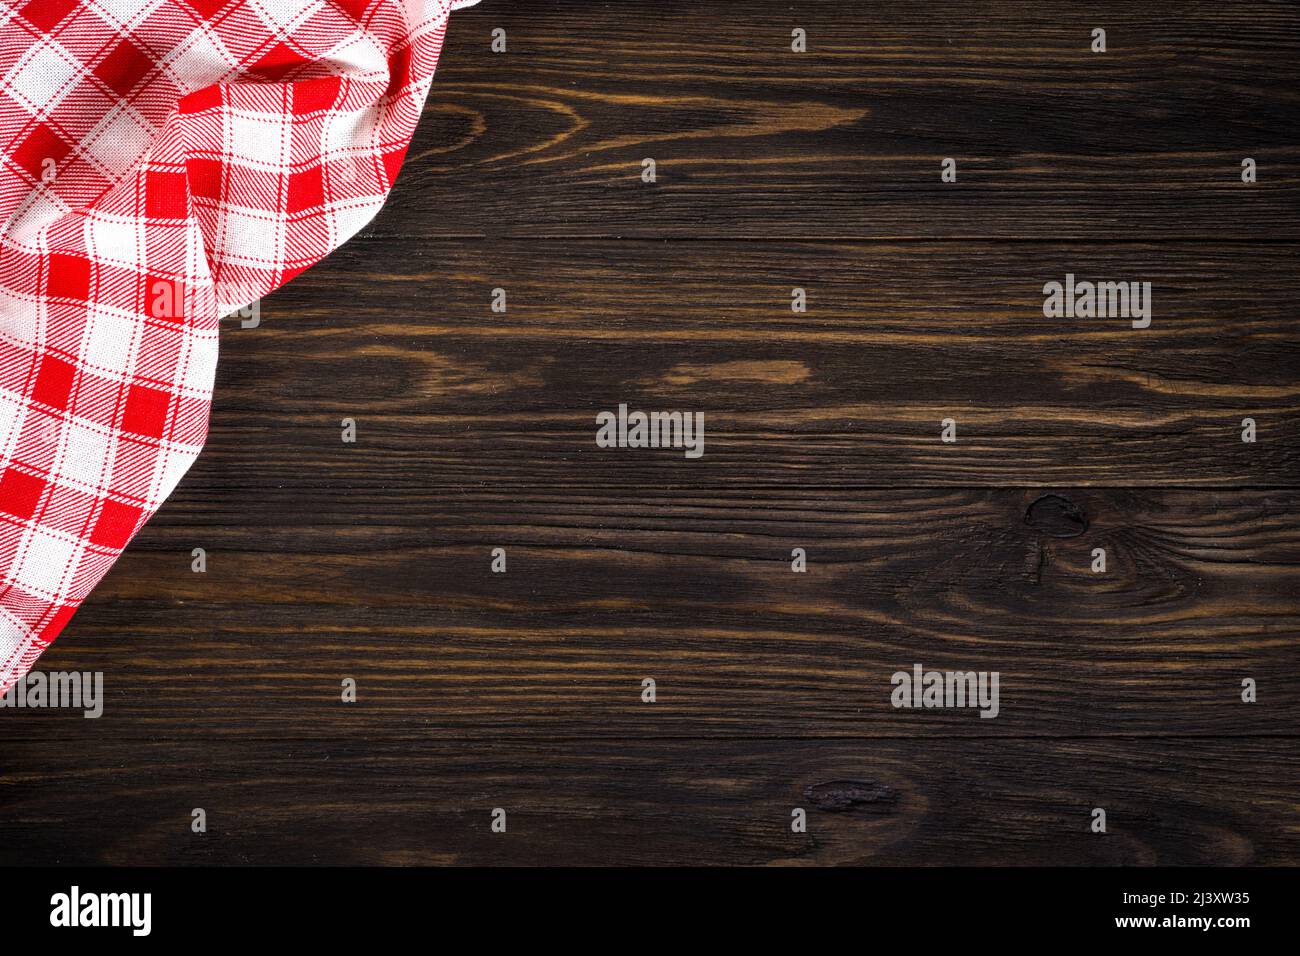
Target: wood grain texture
(695,591)
(850,394)
(364,799)
(476,430)
(752,140)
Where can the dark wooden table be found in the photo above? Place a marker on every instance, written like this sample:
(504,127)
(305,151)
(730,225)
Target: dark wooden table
(476,430)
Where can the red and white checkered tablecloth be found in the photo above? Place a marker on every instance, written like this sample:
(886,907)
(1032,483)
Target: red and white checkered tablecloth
(166,162)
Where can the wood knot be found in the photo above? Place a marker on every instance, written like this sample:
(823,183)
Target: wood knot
(852,796)
(1056,516)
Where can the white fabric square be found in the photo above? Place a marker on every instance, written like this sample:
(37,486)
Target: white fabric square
(11,419)
(282,13)
(124,13)
(30,221)
(120,140)
(110,341)
(13,636)
(358,55)
(200,60)
(43,77)
(169,469)
(45,562)
(255,238)
(116,239)
(19,319)
(87,455)
(346,132)
(348,220)
(258,140)
(199,365)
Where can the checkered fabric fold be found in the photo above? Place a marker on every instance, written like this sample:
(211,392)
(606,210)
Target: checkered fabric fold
(165,163)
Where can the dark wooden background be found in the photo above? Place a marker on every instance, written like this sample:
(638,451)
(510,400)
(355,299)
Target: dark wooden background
(476,430)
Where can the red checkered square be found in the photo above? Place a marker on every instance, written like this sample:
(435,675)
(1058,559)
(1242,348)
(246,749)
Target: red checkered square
(146,411)
(45,15)
(206,178)
(314,96)
(54,382)
(165,195)
(165,298)
(69,276)
(115,525)
(19,493)
(40,152)
(276,63)
(306,190)
(201,100)
(124,68)
(207,9)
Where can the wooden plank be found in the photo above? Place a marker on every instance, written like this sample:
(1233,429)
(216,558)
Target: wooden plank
(355,798)
(850,394)
(306,586)
(476,430)
(752,140)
